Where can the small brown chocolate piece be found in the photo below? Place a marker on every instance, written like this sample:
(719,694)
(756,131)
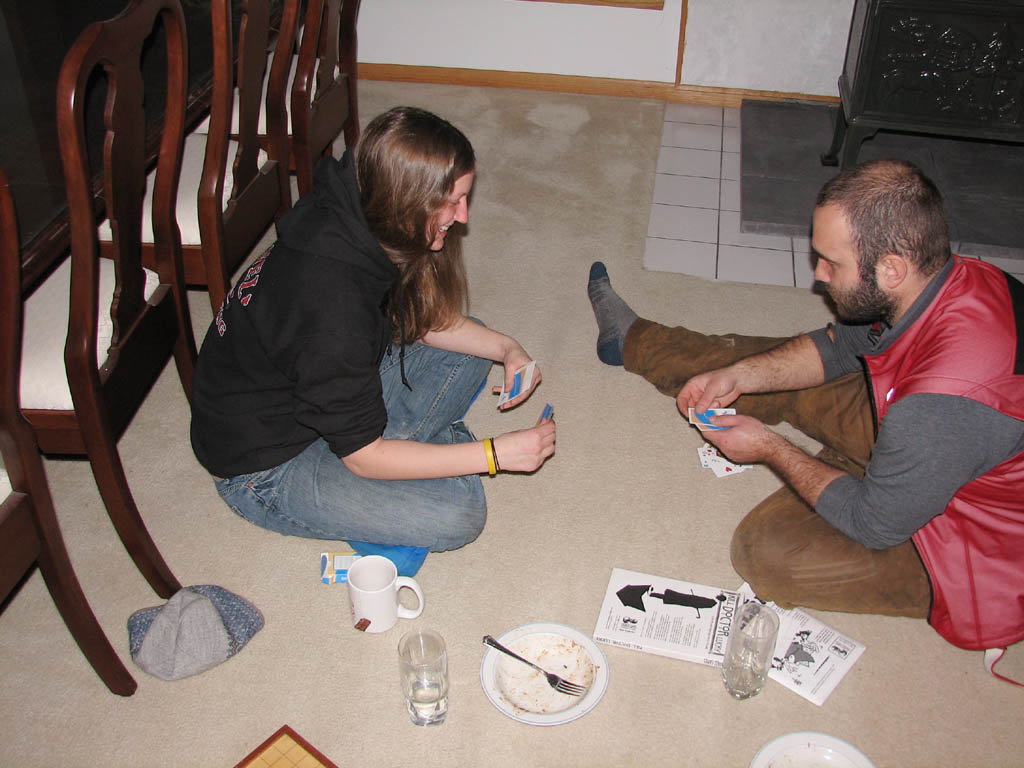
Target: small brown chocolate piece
(362,624)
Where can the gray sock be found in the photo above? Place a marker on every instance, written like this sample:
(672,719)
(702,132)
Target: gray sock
(614,317)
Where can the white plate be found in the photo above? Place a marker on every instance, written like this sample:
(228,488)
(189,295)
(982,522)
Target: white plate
(809,750)
(489,666)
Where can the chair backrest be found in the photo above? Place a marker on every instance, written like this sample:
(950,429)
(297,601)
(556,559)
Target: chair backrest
(27,493)
(114,48)
(18,447)
(324,97)
(29,531)
(11,423)
(260,192)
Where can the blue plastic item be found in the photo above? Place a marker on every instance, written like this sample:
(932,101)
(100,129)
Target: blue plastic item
(406,559)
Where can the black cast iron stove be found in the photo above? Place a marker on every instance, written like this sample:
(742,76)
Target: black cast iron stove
(948,67)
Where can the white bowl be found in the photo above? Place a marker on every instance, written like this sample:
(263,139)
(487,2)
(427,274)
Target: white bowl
(807,749)
(523,694)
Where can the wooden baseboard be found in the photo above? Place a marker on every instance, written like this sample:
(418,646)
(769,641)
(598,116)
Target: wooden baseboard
(597,86)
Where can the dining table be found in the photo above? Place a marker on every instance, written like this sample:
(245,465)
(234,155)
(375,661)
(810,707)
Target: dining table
(35,35)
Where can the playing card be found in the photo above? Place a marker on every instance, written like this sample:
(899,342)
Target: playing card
(722,467)
(711,459)
(699,419)
(521,382)
(706,452)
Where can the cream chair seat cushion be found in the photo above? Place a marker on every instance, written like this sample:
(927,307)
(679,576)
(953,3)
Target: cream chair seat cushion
(188,187)
(44,381)
(261,126)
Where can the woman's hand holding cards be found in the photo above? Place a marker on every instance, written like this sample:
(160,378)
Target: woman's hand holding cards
(523,450)
(519,384)
(526,449)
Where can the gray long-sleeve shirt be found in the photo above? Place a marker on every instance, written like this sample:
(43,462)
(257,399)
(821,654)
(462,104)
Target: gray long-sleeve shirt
(928,445)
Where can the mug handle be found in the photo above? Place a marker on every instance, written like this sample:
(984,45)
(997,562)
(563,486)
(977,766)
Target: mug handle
(409,613)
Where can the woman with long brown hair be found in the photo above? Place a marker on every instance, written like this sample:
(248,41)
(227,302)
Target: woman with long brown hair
(331,386)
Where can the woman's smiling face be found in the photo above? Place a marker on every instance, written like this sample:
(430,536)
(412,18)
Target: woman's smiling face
(456,209)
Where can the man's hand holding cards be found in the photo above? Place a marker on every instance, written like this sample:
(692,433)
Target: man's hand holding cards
(710,458)
(522,383)
(701,420)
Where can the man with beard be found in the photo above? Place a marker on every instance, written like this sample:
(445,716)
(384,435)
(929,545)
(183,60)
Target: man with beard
(913,507)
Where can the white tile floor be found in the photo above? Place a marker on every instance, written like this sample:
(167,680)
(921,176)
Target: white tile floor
(694,226)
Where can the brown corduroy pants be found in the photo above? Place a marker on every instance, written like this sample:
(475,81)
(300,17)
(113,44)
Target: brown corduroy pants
(782,548)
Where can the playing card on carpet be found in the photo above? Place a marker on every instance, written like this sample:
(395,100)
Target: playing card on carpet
(706,452)
(711,459)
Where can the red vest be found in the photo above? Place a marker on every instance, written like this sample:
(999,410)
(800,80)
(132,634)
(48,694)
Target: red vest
(966,344)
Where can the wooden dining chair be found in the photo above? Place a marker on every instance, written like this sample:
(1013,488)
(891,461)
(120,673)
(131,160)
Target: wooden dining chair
(234,180)
(324,99)
(260,192)
(29,531)
(281,45)
(315,63)
(124,323)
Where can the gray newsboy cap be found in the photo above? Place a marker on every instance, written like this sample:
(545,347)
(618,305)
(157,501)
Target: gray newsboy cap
(198,628)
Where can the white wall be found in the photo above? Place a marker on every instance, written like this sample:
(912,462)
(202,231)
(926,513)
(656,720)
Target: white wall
(795,46)
(510,35)
(776,45)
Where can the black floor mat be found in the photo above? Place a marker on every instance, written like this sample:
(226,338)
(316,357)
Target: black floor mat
(781,171)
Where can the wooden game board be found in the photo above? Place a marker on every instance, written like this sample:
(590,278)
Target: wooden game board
(285,749)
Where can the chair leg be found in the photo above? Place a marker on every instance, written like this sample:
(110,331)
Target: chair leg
(303,164)
(351,129)
(81,621)
(185,361)
(61,581)
(217,287)
(185,353)
(124,514)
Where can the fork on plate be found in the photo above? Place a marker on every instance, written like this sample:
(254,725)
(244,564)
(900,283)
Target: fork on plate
(560,684)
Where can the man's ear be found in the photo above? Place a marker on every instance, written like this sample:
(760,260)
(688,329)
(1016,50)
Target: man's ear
(891,271)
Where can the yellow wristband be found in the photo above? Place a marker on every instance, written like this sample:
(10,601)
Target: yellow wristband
(492,467)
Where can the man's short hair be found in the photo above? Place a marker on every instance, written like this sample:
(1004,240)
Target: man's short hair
(891,207)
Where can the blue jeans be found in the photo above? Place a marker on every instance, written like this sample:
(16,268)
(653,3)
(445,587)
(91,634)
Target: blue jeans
(314,495)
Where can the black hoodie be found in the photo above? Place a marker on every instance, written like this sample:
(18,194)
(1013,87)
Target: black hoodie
(293,354)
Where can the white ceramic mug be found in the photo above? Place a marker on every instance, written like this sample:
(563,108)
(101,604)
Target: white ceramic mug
(373,585)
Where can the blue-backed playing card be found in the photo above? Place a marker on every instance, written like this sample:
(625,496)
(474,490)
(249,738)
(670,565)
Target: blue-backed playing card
(521,381)
(700,419)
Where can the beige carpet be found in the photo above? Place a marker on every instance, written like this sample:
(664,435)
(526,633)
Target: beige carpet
(562,180)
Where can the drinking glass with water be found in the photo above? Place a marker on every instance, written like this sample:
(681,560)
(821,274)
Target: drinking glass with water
(423,665)
(748,654)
